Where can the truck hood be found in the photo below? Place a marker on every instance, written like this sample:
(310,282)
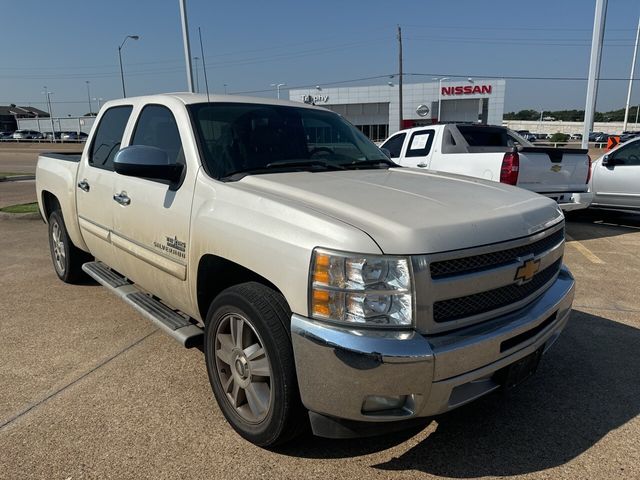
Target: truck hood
(410,211)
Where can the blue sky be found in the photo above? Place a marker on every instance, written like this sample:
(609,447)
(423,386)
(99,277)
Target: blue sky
(251,44)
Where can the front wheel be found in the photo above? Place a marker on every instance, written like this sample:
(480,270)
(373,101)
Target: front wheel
(250,364)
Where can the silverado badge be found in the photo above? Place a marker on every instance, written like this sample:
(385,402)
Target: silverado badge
(527,270)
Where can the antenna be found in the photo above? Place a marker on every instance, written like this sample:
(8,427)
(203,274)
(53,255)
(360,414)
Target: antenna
(204,65)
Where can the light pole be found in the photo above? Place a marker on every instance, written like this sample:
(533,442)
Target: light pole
(132,37)
(99,100)
(225,88)
(278,85)
(440,80)
(89,97)
(197,74)
(633,67)
(599,19)
(48,95)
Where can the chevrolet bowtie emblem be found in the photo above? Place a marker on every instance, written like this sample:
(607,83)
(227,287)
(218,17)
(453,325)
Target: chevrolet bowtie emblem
(556,168)
(527,270)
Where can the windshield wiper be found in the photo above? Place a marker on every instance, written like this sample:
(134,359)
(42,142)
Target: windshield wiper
(305,163)
(379,162)
(282,166)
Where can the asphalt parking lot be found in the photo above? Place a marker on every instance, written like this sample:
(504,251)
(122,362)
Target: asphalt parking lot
(90,389)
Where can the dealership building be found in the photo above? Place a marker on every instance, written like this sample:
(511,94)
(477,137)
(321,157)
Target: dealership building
(375,109)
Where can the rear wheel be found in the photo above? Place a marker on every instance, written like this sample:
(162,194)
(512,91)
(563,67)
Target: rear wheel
(250,364)
(67,258)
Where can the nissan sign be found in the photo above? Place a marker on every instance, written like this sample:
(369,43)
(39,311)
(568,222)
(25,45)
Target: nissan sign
(466,90)
(422,110)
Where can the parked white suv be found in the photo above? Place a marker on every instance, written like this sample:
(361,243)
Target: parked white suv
(615,182)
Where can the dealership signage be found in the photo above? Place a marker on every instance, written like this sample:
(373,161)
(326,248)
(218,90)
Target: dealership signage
(314,99)
(466,90)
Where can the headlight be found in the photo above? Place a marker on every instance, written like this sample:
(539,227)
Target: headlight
(373,290)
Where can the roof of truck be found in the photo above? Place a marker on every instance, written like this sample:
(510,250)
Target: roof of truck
(191,98)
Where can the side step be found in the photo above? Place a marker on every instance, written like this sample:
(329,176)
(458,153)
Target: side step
(177,325)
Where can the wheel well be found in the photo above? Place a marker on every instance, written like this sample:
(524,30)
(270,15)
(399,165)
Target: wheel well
(49,204)
(216,274)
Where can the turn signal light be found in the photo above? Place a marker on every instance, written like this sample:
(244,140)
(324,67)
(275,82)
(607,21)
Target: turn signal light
(510,168)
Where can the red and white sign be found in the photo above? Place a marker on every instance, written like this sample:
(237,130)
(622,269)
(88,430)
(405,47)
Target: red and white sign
(466,90)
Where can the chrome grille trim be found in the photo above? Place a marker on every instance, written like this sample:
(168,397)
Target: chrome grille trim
(546,246)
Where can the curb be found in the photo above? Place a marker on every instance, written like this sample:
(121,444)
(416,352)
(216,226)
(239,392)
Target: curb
(20,216)
(16,178)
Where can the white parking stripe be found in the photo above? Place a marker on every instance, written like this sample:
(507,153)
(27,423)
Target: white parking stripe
(592,257)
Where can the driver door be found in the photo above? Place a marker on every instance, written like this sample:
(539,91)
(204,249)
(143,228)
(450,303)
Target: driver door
(618,184)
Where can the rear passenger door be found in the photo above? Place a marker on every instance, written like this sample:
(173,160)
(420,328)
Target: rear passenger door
(418,149)
(151,231)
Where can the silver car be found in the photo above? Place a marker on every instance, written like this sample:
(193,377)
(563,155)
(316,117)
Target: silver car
(615,180)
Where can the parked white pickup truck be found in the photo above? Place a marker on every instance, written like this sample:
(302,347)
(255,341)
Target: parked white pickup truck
(330,287)
(498,154)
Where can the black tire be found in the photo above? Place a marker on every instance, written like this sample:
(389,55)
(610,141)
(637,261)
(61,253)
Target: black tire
(66,257)
(267,314)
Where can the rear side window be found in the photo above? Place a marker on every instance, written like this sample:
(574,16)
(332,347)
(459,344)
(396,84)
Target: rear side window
(485,136)
(157,127)
(420,143)
(394,145)
(106,142)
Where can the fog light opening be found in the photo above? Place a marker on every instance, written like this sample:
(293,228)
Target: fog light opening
(380,403)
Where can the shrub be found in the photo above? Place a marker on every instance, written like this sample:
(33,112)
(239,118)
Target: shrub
(559,137)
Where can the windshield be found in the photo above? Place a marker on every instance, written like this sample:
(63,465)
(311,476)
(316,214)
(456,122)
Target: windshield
(242,138)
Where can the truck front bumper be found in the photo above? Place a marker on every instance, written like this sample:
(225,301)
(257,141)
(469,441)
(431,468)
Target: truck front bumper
(350,373)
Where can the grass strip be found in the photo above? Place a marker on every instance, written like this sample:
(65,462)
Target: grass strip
(23,208)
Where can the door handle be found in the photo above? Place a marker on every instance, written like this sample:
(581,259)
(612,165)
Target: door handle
(422,165)
(84,185)
(122,198)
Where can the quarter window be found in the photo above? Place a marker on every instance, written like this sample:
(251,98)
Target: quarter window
(108,137)
(394,145)
(157,127)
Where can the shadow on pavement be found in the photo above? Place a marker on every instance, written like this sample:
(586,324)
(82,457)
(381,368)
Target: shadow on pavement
(592,224)
(587,386)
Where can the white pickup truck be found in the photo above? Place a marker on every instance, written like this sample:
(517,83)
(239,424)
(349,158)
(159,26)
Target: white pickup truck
(498,154)
(328,286)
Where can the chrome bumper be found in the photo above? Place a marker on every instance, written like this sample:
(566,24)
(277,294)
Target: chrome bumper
(573,201)
(338,368)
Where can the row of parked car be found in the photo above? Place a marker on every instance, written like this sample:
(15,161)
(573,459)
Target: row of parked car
(35,135)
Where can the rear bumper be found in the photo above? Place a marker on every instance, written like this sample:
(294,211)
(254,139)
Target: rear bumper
(571,201)
(339,368)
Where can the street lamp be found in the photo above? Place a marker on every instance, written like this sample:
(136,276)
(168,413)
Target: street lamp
(48,95)
(278,85)
(197,74)
(225,88)
(99,100)
(132,37)
(89,97)
(440,80)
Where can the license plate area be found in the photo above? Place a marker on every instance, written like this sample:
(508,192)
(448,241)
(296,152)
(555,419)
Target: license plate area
(519,371)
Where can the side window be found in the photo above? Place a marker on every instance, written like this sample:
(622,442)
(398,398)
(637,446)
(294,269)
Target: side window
(628,155)
(394,145)
(157,127)
(108,137)
(420,143)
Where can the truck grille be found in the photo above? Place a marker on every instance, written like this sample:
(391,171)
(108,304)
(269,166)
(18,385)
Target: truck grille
(477,263)
(461,307)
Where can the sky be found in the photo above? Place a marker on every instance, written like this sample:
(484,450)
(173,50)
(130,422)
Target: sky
(251,44)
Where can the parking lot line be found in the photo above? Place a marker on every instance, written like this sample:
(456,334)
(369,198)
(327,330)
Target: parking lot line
(592,257)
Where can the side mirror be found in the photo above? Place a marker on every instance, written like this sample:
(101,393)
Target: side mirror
(386,152)
(607,161)
(146,162)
